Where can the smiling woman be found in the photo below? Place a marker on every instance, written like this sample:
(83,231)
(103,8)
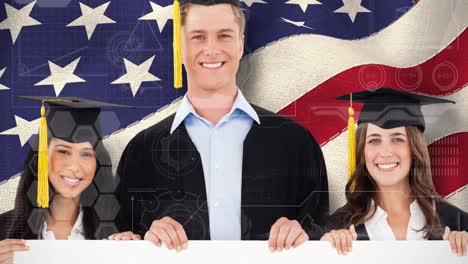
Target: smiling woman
(387,153)
(394,197)
(77,169)
(71,167)
(393,166)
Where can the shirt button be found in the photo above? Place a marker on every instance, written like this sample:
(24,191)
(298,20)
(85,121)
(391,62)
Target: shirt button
(216,204)
(216,166)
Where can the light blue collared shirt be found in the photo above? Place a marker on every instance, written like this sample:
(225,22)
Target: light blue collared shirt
(221,150)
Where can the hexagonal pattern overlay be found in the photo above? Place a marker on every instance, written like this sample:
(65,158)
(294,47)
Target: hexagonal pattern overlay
(33,165)
(34,142)
(36,219)
(62,124)
(32,194)
(107,207)
(105,229)
(107,122)
(102,156)
(88,196)
(85,134)
(105,181)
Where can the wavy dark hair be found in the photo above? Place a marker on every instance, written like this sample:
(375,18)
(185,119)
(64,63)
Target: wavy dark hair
(359,209)
(19,225)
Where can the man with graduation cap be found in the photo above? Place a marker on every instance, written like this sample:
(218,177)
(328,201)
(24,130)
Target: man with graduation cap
(220,168)
(390,194)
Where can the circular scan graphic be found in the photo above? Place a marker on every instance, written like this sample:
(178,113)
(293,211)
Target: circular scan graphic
(174,155)
(123,45)
(445,76)
(410,78)
(372,76)
(188,212)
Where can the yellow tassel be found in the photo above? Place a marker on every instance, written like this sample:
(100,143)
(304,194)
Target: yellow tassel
(351,143)
(177,46)
(43,164)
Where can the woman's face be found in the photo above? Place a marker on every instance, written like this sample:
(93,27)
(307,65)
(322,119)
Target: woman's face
(388,156)
(71,167)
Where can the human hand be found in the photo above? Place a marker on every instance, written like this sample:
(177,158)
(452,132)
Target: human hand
(285,234)
(458,241)
(169,232)
(8,247)
(129,235)
(341,239)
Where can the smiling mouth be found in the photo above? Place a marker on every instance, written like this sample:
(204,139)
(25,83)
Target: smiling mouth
(387,166)
(214,65)
(72,181)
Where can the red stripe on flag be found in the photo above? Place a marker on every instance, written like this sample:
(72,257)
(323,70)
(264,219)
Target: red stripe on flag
(448,161)
(443,74)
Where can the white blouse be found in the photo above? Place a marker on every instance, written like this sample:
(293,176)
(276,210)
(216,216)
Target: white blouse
(378,228)
(77,232)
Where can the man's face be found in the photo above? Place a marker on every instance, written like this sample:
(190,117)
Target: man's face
(211,46)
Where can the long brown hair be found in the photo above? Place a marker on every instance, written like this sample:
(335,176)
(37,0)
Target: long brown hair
(359,209)
(24,225)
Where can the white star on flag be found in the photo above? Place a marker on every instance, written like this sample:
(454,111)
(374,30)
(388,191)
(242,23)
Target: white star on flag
(24,129)
(160,13)
(295,23)
(59,76)
(136,74)
(90,18)
(303,3)
(352,7)
(3,87)
(17,19)
(249,3)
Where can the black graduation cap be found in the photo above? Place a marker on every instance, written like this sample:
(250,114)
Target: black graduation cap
(386,108)
(210,2)
(74,119)
(390,108)
(71,119)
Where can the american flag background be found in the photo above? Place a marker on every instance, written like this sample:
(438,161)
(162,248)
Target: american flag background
(299,55)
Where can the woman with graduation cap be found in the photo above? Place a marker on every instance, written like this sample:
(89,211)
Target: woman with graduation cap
(69,156)
(390,195)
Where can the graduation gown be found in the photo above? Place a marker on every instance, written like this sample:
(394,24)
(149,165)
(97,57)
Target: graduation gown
(449,215)
(283,175)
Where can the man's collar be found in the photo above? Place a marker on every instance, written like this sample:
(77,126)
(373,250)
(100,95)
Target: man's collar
(183,111)
(186,108)
(242,104)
